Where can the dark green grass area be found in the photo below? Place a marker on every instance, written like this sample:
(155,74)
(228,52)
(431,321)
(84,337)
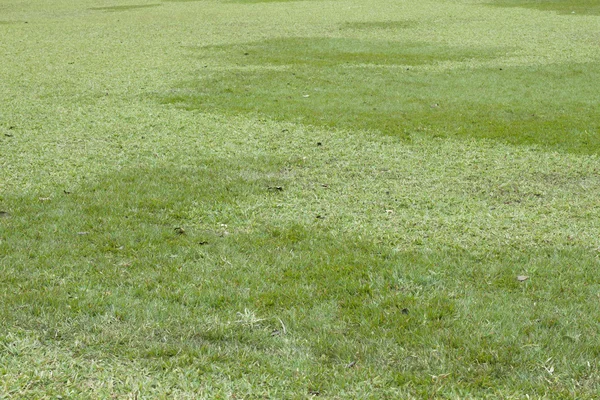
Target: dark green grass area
(266,1)
(575,7)
(350,83)
(124,8)
(104,273)
(337,52)
(240,1)
(392,25)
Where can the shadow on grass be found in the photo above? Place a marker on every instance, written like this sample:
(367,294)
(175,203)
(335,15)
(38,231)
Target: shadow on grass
(239,1)
(108,263)
(373,85)
(346,83)
(124,7)
(185,236)
(380,25)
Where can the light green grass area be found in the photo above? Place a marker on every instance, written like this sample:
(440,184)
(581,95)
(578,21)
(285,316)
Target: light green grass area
(583,7)
(299,199)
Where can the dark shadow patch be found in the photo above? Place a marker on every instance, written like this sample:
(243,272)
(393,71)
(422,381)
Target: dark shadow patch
(11,22)
(342,83)
(570,7)
(380,25)
(266,1)
(353,84)
(129,248)
(337,52)
(239,1)
(133,288)
(131,216)
(124,8)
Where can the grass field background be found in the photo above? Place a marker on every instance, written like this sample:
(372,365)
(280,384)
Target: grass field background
(297,199)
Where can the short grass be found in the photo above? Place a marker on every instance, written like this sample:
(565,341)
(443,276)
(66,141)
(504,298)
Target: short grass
(124,8)
(581,7)
(383,86)
(298,200)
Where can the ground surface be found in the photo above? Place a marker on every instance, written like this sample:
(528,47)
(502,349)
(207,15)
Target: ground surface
(296,199)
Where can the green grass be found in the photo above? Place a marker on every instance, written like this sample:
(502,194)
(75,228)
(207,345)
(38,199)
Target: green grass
(579,7)
(123,8)
(371,25)
(178,221)
(374,85)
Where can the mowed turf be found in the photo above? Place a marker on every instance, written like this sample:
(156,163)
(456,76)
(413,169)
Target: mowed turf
(312,199)
(387,87)
(582,7)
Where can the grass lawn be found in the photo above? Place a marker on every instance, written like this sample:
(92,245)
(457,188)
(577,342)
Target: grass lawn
(300,199)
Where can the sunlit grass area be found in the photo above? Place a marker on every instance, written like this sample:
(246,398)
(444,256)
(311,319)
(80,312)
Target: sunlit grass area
(583,7)
(299,199)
